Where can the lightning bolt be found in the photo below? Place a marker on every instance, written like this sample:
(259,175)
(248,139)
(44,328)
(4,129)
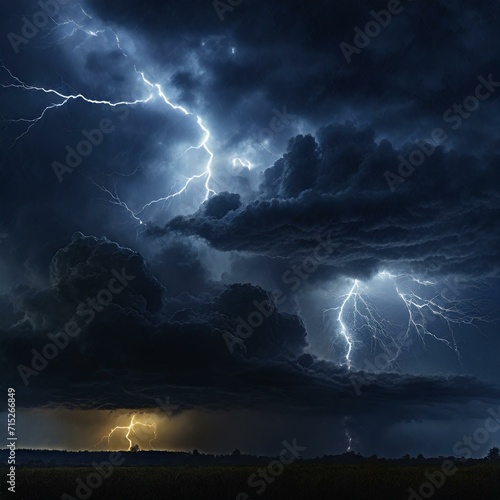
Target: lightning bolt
(64,99)
(155,90)
(129,430)
(423,300)
(347,435)
(344,332)
(207,173)
(420,309)
(365,315)
(242,163)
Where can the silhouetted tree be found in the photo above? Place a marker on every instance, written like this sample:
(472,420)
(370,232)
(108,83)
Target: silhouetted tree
(236,453)
(135,448)
(494,453)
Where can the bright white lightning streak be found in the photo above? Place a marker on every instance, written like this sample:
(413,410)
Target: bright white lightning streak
(343,328)
(362,311)
(203,145)
(65,99)
(420,312)
(154,88)
(129,428)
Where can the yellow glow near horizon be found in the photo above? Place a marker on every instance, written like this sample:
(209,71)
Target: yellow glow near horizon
(130,430)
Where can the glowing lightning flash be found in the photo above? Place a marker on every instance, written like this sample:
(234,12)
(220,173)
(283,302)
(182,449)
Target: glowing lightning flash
(241,162)
(130,429)
(155,90)
(423,303)
(343,329)
(347,434)
(203,145)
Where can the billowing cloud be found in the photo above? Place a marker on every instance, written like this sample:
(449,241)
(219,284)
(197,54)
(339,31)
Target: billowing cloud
(440,219)
(139,344)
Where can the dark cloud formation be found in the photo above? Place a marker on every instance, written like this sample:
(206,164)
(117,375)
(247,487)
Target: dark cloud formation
(179,268)
(288,53)
(335,185)
(137,345)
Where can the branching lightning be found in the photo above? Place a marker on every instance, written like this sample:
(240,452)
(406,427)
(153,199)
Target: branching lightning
(64,99)
(340,318)
(207,173)
(154,91)
(130,430)
(423,303)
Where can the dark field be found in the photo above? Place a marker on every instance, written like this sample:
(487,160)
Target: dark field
(299,481)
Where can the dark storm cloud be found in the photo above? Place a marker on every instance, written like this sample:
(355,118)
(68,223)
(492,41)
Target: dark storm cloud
(442,219)
(38,211)
(288,53)
(136,349)
(179,268)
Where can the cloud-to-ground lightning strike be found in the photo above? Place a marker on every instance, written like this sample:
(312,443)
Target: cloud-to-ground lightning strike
(424,302)
(347,435)
(343,328)
(130,430)
(154,91)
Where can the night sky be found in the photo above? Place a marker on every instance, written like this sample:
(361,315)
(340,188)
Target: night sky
(248,221)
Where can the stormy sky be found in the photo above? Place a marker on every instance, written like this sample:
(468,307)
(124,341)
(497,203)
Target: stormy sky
(251,221)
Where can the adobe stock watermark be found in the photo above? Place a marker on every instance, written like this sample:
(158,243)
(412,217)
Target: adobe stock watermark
(60,341)
(166,406)
(372,29)
(268,475)
(39,20)
(91,140)
(223,6)
(94,480)
(293,277)
(464,447)
(455,115)
(277,124)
